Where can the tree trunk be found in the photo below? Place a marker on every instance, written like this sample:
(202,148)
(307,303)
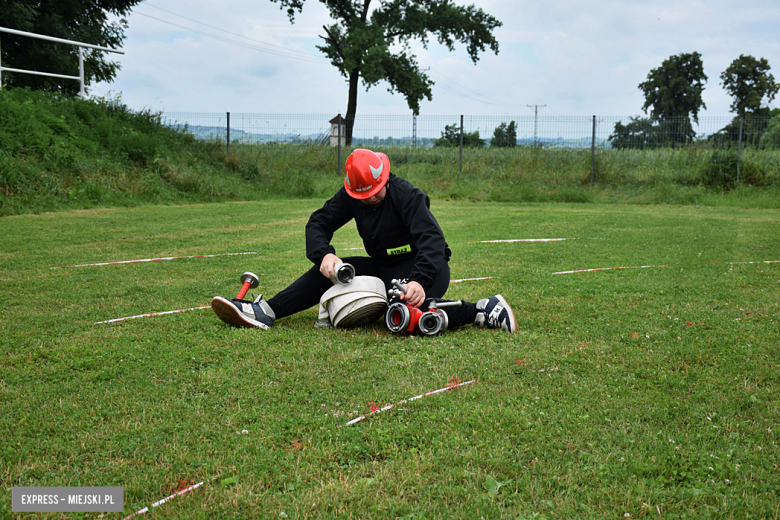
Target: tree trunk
(354,77)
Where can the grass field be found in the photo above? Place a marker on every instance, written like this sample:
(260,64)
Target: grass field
(641,393)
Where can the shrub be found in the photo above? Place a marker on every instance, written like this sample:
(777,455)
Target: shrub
(721,171)
(771,138)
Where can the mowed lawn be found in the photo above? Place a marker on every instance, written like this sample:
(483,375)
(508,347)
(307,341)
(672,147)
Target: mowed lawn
(628,393)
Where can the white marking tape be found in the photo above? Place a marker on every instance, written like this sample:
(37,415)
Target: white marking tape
(351,248)
(608,268)
(524,240)
(471,279)
(150,314)
(155,259)
(646,266)
(164,500)
(760,262)
(389,406)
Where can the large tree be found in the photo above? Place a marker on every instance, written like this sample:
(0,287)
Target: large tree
(85,21)
(748,81)
(377,47)
(674,89)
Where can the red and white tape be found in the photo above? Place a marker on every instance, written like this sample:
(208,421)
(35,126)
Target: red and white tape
(150,314)
(388,407)
(759,262)
(155,260)
(164,500)
(609,268)
(524,240)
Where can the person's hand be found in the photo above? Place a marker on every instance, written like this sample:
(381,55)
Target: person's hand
(327,264)
(415,294)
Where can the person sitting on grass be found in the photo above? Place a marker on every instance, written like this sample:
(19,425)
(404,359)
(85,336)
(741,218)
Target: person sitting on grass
(403,241)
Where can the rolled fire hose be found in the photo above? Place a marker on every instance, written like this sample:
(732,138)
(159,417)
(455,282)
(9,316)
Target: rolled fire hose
(359,302)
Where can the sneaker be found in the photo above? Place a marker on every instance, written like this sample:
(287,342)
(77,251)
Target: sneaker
(495,313)
(243,313)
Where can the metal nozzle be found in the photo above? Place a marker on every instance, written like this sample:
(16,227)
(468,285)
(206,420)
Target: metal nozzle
(343,273)
(433,322)
(397,317)
(436,320)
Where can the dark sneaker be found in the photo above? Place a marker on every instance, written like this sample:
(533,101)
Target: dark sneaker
(243,313)
(495,313)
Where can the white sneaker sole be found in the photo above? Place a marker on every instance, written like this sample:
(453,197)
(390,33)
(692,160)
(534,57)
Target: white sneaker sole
(229,313)
(513,321)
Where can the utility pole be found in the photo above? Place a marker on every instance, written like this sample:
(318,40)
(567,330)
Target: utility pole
(536,114)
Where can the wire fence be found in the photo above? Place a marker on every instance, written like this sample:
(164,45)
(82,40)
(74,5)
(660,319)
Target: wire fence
(563,140)
(427,131)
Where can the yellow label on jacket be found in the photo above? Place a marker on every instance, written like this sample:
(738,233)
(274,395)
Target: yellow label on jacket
(400,250)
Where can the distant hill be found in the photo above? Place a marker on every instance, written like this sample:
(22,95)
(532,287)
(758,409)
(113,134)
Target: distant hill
(209,133)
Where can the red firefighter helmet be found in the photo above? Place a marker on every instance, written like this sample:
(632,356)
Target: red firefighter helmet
(365,173)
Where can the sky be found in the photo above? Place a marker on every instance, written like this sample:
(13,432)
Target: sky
(574,57)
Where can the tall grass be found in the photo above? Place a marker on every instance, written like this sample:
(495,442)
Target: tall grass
(59,152)
(63,152)
(675,176)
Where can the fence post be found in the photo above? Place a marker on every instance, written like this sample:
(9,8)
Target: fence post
(414,130)
(460,160)
(739,148)
(228,133)
(338,122)
(592,151)
(81,73)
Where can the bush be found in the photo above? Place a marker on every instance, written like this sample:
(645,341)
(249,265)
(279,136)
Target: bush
(771,138)
(721,171)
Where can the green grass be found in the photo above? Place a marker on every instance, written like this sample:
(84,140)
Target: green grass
(60,153)
(639,391)
(523,174)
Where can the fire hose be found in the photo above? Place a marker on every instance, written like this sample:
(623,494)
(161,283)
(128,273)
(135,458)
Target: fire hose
(358,302)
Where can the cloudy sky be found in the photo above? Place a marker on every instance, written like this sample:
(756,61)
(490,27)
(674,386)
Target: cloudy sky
(575,57)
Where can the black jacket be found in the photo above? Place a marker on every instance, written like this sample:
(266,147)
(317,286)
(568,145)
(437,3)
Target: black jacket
(401,225)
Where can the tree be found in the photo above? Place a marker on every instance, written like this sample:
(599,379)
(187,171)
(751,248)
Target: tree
(771,138)
(645,132)
(748,81)
(639,133)
(364,47)
(753,128)
(674,89)
(450,138)
(85,21)
(504,135)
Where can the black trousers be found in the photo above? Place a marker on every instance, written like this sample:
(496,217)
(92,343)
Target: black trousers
(306,291)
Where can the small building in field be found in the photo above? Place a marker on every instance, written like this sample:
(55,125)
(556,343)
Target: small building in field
(335,123)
